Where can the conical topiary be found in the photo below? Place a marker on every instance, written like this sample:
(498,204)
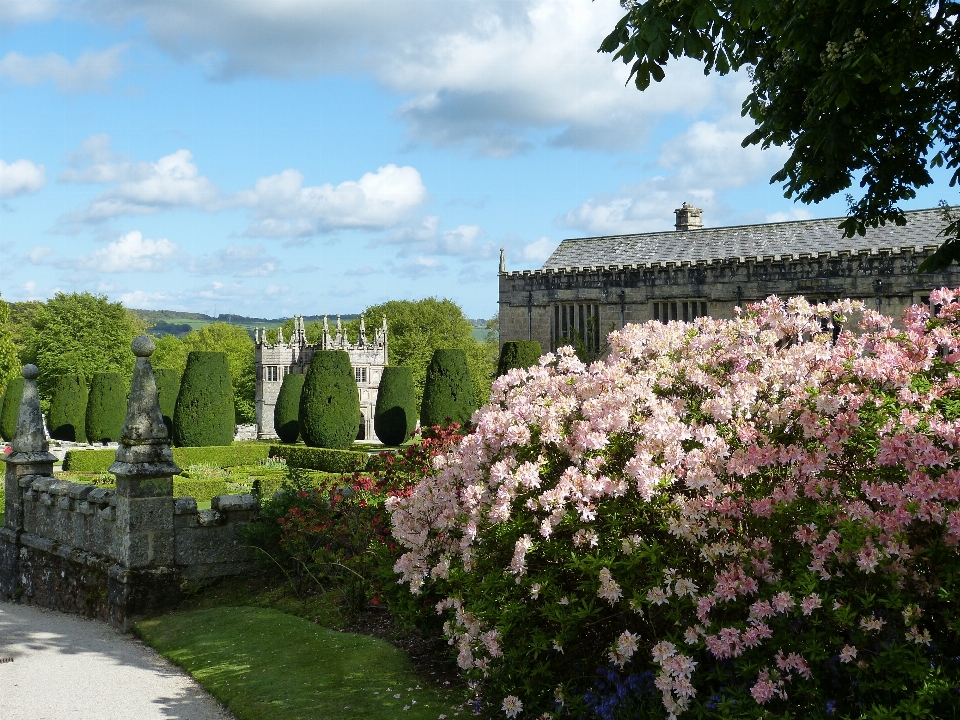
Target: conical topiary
(395,416)
(204,413)
(330,402)
(168,388)
(448,391)
(68,409)
(106,407)
(518,354)
(11,408)
(286,413)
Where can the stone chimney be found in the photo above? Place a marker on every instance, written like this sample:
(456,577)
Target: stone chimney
(689,217)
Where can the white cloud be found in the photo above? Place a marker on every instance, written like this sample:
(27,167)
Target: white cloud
(239,261)
(481,72)
(133,253)
(539,250)
(143,300)
(21,176)
(696,166)
(91,71)
(19,11)
(794,214)
(139,188)
(282,207)
(419,267)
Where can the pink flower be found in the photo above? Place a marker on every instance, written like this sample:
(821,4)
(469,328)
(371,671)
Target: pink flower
(848,653)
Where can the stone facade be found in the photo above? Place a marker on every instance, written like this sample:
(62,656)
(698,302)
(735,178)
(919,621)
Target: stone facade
(368,359)
(116,554)
(590,286)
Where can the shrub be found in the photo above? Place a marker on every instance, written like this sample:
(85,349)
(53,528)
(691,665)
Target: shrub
(325,459)
(749,515)
(518,354)
(287,411)
(330,402)
(90,461)
(200,490)
(11,408)
(204,413)
(395,416)
(448,392)
(68,408)
(106,407)
(168,388)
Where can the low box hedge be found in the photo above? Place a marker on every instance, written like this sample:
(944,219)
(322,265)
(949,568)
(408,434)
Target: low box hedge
(325,459)
(201,490)
(90,461)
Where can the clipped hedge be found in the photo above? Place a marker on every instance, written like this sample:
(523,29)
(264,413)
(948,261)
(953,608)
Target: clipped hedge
(395,416)
(168,388)
(92,461)
(68,409)
(325,459)
(330,402)
(448,390)
(106,407)
(200,490)
(286,413)
(11,408)
(204,414)
(518,354)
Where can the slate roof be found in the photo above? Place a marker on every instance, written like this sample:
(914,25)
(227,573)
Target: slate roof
(784,238)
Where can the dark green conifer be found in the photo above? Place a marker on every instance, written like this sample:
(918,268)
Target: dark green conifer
(168,388)
(68,409)
(448,391)
(204,413)
(11,408)
(106,407)
(395,416)
(330,402)
(286,413)
(518,354)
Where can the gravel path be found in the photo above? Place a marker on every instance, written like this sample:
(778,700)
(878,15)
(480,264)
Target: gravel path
(67,668)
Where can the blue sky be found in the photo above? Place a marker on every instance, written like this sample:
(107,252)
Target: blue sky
(271,157)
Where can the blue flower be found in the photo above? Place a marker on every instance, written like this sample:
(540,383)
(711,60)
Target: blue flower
(831,707)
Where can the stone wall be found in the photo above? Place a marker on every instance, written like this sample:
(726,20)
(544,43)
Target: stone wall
(885,279)
(116,554)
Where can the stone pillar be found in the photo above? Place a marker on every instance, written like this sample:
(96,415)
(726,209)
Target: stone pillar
(29,456)
(145,577)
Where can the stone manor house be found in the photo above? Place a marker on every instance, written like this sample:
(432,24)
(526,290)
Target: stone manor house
(273,362)
(590,286)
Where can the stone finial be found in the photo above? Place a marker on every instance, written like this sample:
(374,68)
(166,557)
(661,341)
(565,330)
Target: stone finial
(256,336)
(280,336)
(503,260)
(144,447)
(30,443)
(325,344)
(689,217)
(362,339)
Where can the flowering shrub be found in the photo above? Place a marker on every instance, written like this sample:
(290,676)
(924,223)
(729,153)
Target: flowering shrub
(762,513)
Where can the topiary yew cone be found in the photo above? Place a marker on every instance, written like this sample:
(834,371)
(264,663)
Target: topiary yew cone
(518,354)
(68,409)
(204,413)
(395,416)
(168,388)
(11,406)
(448,392)
(286,413)
(330,402)
(106,407)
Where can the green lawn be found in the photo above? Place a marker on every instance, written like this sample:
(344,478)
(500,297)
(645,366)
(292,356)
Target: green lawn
(263,664)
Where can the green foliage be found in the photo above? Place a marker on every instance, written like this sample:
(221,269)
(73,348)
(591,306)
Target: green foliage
(80,334)
(325,459)
(68,409)
(858,91)
(204,414)
(93,461)
(395,416)
(202,490)
(168,388)
(287,410)
(448,394)
(9,361)
(106,407)
(235,341)
(11,408)
(518,354)
(170,353)
(330,402)
(415,329)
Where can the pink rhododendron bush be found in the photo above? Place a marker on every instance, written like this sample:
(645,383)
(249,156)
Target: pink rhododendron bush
(747,518)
